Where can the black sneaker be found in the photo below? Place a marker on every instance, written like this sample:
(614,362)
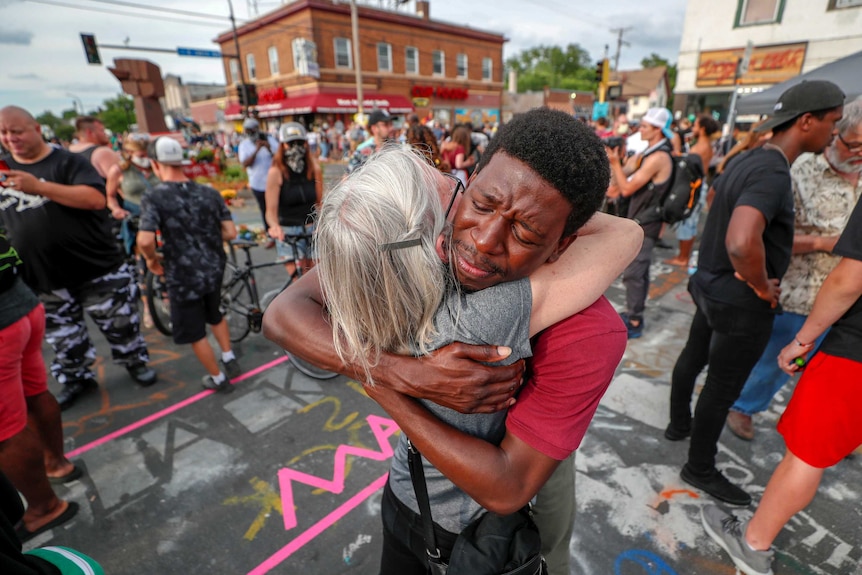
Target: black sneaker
(142,373)
(673,434)
(717,485)
(232,368)
(209,383)
(73,390)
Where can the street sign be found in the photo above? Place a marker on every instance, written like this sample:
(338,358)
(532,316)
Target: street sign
(198,52)
(746,58)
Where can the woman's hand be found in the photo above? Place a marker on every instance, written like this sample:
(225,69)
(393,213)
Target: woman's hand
(276,233)
(788,356)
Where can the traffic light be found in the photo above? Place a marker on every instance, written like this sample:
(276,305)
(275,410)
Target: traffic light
(251,92)
(240,94)
(600,71)
(602,77)
(91,50)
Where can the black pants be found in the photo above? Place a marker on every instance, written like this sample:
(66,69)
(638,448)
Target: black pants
(731,340)
(403,544)
(260,197)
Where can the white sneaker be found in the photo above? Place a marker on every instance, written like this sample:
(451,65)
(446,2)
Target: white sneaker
(729,532)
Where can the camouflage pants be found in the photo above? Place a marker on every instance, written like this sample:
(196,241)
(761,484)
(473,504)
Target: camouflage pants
(112,303)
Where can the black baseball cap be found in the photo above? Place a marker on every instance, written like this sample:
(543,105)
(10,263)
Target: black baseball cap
(807,96)
(378,116)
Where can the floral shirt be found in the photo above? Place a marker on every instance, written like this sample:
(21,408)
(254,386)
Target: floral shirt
(363,151)
(822,202)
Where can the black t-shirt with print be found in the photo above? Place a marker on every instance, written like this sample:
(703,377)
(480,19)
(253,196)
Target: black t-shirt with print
(845,337)
(61,247)
(189,217)
(760,178)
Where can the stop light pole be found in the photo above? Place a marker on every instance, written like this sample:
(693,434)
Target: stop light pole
(241,88)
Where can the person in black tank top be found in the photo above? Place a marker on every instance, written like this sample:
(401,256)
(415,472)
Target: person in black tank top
(645,176)
(294,188)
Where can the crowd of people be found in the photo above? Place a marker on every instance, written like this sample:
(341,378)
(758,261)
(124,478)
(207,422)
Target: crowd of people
(448,293)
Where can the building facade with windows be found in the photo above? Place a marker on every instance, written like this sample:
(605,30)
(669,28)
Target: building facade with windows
(300,58)
(788,38)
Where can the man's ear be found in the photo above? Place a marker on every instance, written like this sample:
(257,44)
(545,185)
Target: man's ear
(562,246)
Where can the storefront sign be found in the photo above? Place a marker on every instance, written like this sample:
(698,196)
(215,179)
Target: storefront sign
(769,65)
(476,116)
(441,92)
(270,95)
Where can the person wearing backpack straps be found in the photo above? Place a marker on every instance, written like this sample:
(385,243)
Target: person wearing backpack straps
(643,179)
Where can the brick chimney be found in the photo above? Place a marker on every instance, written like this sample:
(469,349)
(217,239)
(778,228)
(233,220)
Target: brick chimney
(423,10)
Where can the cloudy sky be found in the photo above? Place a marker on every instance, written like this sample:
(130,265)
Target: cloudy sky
(43,65)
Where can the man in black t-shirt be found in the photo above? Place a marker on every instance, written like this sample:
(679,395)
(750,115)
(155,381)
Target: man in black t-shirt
(52,204)
(744,251)
(194,222)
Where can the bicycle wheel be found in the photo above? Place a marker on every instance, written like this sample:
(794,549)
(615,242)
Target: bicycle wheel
(236,306)
(159,303)
(310,369)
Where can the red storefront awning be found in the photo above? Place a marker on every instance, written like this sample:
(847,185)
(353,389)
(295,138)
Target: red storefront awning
(233,111)
(324,104)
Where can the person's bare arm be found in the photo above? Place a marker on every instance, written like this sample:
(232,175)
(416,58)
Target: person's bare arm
(79,196)
(271,195)
(112,189)
(228,230)
(512,472)
(453,376)
(744,243)
(840,290)
(605,246)
(146,242)
(654,166)
(103,159)
(805,243)
(318,181)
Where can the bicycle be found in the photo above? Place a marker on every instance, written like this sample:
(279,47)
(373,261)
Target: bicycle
(241,304)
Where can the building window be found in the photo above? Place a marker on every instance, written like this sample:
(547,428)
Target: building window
(487,69)
(272,52)
(753,12)
(461,65)
(838,4)
(439,60)
(384,57)
(411,60)
(234,70)
(249,64)
(343,58)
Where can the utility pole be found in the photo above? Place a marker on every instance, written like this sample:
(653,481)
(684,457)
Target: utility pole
(357,64)
(620,43)
(242,86)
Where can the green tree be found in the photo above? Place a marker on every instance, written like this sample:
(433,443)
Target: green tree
(654,61)
(117,114)
(60,126)
(568,68)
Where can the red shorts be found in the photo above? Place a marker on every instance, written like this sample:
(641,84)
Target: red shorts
(22,370)
(823,421)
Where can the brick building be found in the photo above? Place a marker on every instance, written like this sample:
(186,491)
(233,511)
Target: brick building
(300,57)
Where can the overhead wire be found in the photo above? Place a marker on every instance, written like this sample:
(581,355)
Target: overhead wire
(119,13)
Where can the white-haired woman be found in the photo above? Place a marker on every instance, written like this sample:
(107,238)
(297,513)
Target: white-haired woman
(294,187)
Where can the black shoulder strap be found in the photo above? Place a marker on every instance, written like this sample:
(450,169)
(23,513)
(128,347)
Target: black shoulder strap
(417,476)
(88,153)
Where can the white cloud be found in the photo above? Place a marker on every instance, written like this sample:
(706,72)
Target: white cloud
(21,37)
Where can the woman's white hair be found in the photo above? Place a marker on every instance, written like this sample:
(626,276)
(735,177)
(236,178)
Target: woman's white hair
(381,277)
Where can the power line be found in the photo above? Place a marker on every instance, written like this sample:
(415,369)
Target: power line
(161,9)
(119,13)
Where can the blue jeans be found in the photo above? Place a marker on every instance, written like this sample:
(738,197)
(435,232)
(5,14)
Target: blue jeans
(766,377)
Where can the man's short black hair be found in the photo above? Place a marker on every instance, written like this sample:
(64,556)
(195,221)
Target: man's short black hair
(564,152)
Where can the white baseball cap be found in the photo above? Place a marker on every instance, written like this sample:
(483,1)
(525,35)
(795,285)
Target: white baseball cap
(250,124)
(165,150)
(660,118)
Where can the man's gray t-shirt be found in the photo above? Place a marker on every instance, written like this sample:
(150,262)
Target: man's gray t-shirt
(498,315)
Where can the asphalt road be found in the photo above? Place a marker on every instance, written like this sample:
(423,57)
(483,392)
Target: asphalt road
(284,474)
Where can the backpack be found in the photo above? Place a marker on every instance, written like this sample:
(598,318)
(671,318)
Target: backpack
(681,197)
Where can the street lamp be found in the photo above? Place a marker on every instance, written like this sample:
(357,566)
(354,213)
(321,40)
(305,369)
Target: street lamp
(76,102)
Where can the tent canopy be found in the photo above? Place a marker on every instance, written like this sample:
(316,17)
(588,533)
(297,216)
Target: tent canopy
(846,73)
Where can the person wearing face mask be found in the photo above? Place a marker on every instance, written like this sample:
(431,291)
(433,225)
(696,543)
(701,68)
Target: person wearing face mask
(128,180)
(294,188)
